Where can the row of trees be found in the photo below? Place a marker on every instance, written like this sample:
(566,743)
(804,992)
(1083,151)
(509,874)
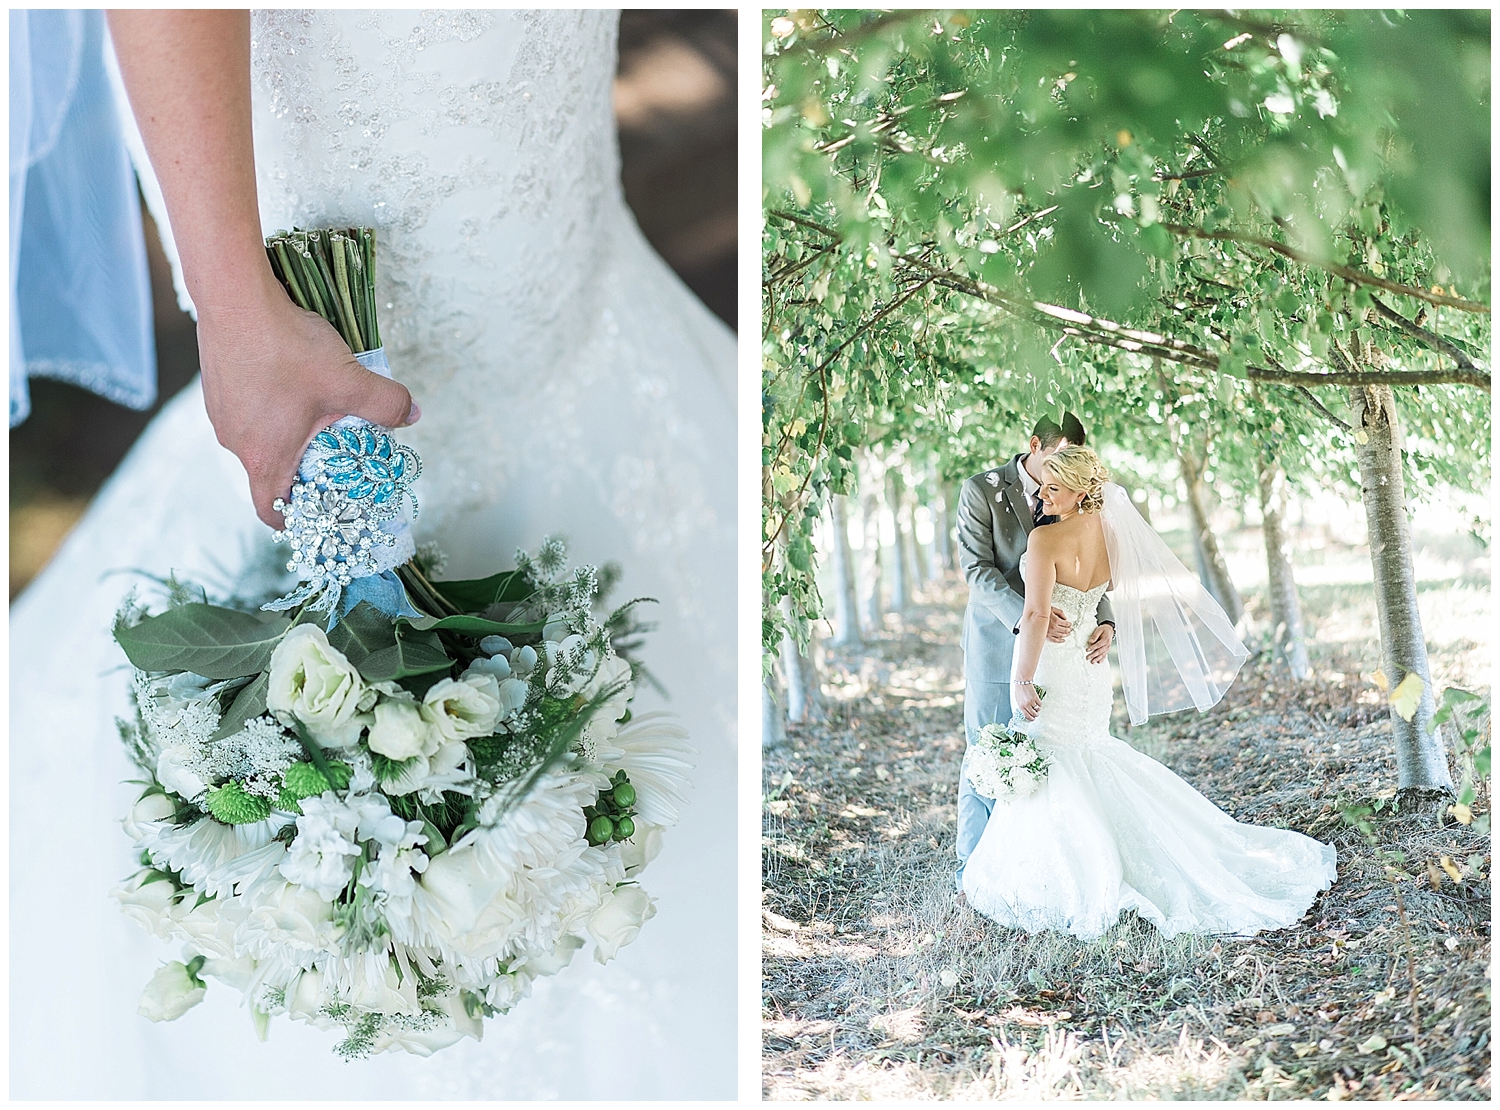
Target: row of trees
(1251,253)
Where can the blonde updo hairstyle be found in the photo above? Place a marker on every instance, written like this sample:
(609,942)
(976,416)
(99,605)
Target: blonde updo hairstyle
(1080,470)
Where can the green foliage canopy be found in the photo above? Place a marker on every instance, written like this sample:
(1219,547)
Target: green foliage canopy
(1178,224)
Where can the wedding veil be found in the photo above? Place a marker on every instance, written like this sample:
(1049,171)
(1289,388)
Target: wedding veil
(1177,647)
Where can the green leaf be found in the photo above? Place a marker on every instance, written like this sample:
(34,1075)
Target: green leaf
(474,626)
(362,631)
(474,594)
(207,640)
(414,652)
(248,704)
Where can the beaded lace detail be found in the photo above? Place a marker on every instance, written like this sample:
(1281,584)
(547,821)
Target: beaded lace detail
(516,296)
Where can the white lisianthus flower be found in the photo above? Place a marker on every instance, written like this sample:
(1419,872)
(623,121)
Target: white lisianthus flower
(172,992)
(312,682)
(465,707)
(321,857)
(617,922)
(401,731)
(148,811)
(177,769)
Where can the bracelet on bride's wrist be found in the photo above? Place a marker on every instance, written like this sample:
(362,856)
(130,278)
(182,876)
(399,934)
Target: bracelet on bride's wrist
(1022,682)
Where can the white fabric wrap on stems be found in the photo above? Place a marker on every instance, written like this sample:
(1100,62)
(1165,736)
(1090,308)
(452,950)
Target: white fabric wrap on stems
(1177,647)
(347,522)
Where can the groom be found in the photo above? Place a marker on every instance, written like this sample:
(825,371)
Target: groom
(996,512)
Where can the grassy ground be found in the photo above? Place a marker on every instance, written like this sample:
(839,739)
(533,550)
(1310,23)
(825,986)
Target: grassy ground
(876,986)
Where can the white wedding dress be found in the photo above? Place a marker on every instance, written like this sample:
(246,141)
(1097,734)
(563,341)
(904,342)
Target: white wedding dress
(569,385)
(1111,829)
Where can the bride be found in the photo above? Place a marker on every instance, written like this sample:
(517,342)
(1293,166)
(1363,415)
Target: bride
(1110,829)
(555,378)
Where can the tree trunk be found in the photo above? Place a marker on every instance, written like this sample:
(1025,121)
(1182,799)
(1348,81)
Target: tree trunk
(918,561)
(845,578)
(1421,762)
(1286,607)
(873,566)
(950,526)
(901,562)
(803,692)
(772,714)
(1211,569)
(942,523)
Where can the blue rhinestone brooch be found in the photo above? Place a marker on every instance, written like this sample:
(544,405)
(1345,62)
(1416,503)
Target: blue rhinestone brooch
(341,521)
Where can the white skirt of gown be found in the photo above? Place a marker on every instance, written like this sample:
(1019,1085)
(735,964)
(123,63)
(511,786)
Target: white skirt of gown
(569,385)
(1111,829)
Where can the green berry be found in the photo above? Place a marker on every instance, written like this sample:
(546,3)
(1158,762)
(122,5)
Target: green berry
(624,828)
(600,830)
(233,805)
(624,795)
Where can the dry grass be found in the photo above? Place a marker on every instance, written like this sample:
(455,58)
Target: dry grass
(876,986)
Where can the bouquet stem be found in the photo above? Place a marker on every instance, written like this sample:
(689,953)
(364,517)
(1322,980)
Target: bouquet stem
(331,272)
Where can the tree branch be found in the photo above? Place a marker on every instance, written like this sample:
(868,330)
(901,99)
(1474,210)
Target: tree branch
(1427,338)
(1369,377)
(1318,406)
(1359,277)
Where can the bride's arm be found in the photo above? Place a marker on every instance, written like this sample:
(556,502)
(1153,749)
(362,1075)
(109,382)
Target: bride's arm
(1041,576)
(273,375)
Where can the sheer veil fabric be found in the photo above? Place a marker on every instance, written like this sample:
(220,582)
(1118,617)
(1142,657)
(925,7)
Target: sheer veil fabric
(1177,647)
(569,385)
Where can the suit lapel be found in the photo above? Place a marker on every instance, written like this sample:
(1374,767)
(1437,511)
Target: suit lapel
(1015,493)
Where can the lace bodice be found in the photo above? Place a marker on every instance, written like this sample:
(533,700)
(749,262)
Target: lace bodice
(1079,606)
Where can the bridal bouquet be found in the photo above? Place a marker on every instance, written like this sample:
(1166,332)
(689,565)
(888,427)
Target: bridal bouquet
(386,802)
(1005,761)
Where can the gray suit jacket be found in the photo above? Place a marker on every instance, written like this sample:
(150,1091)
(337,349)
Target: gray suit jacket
(994,523)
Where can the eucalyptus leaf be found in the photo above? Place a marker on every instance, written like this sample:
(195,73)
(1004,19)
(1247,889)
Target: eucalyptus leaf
(248,704)
(207,640)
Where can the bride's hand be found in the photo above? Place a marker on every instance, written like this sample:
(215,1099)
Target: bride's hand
(274,376)
(1023,698)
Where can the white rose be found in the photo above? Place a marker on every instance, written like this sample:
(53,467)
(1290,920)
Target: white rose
(454,1024)
(617,922)
(149,904)
(305,998)
(640,849)
(313,682)
(285,915)
(400,731)
(554,961)
(465,707)
(149,810)
(176,769)
(172,992)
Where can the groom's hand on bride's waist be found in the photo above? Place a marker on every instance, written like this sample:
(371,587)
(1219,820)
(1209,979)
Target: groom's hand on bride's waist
(1098,649)
(1058,626)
